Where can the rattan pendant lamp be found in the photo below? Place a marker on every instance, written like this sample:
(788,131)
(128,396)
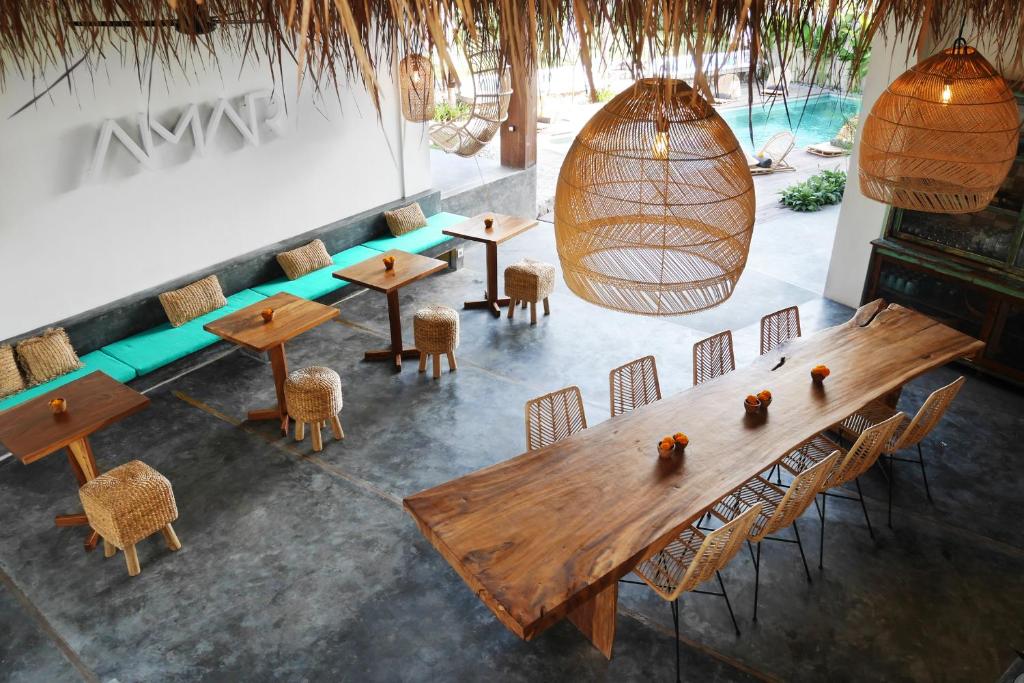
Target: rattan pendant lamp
(416,84)
(942,137)
(654,207)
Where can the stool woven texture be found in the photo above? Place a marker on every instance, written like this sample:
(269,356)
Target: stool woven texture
(128,503)
(529,281)
(942,137)
(313,394)
(654,207)
(436,329)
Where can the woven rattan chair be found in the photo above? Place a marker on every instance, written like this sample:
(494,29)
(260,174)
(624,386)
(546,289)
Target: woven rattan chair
(777,149)
(781,508)
(633,385)
(692,558)
(713,357)
(553,417)
(779,327)
(908,434)
(313,397)
(436,331)
(492,91)
(852,463)
(127,504)
(529,282)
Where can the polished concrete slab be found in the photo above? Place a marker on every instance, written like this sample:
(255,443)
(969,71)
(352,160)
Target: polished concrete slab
(303,566)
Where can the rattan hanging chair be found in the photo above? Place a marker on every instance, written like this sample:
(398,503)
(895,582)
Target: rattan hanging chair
(942,137)
(416,84)
(654,208)
(492,90)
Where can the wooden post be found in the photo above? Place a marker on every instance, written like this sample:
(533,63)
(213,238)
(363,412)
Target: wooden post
(519,132)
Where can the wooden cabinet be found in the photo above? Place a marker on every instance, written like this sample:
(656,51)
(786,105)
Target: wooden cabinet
(965,270)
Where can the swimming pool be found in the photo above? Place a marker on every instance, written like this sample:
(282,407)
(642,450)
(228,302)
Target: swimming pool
(812,120)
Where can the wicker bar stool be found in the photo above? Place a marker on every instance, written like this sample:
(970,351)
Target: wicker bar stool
(313,397)
(436,330)
(127,504)
(529,282)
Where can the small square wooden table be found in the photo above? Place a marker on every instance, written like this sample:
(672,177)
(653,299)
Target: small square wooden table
(372,274)
(31,431)
(246,327)
(504,228)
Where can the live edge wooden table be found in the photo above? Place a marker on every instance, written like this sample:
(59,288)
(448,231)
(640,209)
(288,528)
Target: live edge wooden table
(292,316)
(372,274)
(504,228)
(548,534)
(31,431)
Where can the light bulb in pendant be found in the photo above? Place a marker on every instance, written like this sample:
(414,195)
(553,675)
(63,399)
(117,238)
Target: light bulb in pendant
(659,149)
(416,77)
(947,91)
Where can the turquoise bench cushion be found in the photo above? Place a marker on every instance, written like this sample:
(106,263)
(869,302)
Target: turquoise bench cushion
(419,240)
(97,360)
(320,282)
(164,344)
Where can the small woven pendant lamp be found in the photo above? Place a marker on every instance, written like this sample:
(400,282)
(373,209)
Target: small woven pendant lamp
(942,137)
(654,208)
(416,82)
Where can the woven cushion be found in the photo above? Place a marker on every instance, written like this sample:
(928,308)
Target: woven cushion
(163,344)
(128,503)
(306,259)
(418,241)
(47,356)
(406,219)
(320,282)
(11,381)
(192,301)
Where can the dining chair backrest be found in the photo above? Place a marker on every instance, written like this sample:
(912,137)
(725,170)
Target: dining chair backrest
(552,417)
(718,548)
(864,452)
(779,327)
(799,496)
(929,415)
(633,385)
(713,357)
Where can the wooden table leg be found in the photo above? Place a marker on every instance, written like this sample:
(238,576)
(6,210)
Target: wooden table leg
(83,464)
(279,366)
(491,301)
(397,351)
(596,618)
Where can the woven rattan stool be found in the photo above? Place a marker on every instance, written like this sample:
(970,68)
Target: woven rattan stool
(436,330)
(313,397)
(529,282)
(127,504)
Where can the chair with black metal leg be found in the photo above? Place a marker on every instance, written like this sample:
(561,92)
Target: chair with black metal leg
(908,435)
(781,508)
(692,558)
(852,463)
(553,417)
(713,357)
(633,385)
(779,327)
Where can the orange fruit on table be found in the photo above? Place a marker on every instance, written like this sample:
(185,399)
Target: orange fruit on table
(821,370)
(753,400)
(681,439)
(764,395)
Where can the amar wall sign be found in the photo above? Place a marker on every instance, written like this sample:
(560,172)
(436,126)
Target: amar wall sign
(244,119)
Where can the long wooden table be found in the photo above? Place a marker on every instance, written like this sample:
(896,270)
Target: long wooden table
(548,534)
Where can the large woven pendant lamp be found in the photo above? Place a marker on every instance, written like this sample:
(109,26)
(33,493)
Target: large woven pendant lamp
(942,137)
(416,84)
(654,207)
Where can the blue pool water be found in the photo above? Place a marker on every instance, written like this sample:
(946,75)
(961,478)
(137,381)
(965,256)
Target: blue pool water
(817,119)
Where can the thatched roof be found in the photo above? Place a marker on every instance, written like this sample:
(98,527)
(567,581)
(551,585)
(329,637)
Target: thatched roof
(328,39)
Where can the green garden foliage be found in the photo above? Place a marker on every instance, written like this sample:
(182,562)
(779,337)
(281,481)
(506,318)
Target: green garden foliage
(446,112)
(817,191)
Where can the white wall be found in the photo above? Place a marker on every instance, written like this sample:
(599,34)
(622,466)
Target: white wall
(68,245)
(861,219)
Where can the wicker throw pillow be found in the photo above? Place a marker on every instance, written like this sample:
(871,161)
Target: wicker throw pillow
(406,219)
(192,301)
(11,381)
(306,259)
(47,356)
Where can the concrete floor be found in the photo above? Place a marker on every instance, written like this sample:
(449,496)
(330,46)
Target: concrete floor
(303,566)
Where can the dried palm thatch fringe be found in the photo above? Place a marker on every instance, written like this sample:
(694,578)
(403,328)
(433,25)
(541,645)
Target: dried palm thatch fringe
(332,38)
